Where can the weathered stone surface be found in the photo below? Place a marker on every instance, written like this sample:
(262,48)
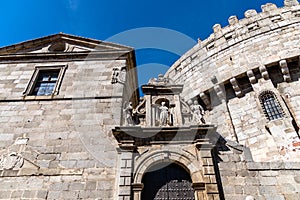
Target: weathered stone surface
(66,140)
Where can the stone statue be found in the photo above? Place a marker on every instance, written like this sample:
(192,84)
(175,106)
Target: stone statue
(163,117)
(128,114)
(161,81)
(197,113)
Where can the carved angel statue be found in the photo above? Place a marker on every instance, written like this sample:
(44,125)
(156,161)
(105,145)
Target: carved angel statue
(128,114)
(164,113)
(197,113)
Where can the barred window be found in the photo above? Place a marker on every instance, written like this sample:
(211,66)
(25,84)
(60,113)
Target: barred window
(271,106)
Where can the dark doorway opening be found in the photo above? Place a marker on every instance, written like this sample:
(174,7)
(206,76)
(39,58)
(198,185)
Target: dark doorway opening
(166,182)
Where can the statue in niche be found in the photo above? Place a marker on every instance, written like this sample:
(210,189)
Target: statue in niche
(129,114)
(164,113)
(197,113)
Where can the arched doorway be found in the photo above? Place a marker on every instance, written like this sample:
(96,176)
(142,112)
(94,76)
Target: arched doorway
(167,181)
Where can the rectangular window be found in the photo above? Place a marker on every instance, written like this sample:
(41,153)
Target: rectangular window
(45,81)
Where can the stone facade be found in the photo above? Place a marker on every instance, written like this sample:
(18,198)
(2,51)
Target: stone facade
(64,140)
(73,126)
(230,73)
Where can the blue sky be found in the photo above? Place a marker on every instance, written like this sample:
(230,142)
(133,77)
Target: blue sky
(185,21)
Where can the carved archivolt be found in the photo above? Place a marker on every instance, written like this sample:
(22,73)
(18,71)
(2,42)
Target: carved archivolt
(148,159)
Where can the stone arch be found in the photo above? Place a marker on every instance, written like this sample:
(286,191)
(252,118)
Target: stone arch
(167,181)
(184,159)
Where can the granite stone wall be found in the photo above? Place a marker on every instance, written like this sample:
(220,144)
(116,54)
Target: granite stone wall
(61,146)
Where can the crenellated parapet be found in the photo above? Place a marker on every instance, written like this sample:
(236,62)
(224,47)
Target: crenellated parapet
(259,39)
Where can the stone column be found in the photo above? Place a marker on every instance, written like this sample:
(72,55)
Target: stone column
(199,189)
(211,188)
(148,111)
(137,191)
(126,151)
(178,116)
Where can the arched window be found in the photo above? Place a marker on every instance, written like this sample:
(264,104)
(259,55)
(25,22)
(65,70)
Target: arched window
(271,106)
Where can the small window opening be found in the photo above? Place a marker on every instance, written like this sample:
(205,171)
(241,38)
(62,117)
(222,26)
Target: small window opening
(271,107)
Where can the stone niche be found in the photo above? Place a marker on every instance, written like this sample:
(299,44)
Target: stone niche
(161,106)
(163,131)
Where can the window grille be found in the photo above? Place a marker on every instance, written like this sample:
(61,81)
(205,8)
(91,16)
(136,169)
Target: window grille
(271,106)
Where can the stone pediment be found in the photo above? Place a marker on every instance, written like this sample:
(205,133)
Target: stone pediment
(62,43)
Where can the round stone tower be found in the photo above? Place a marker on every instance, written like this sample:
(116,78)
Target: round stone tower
(246,75)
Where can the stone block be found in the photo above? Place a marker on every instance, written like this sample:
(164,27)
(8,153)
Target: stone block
(292,196)
(269,173)
(252,181)
(288,188)
(290,3)
(42,194)
(268,181)
(69,194)
(29,194)
(211,188)
(124,190)
(266,190)
(275,197)
(16,194)
(90,185)
(10,172)
(5,195)
(60,186)
(233,20)
(250,13)
(228,172)
(242,173)
(68,163)
(76,186)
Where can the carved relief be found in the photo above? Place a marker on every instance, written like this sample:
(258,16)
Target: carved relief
(19,155)
(161,80)
(128,110)
(11,161)
(197,112)
(140,109)
(164,113)
(118,75)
